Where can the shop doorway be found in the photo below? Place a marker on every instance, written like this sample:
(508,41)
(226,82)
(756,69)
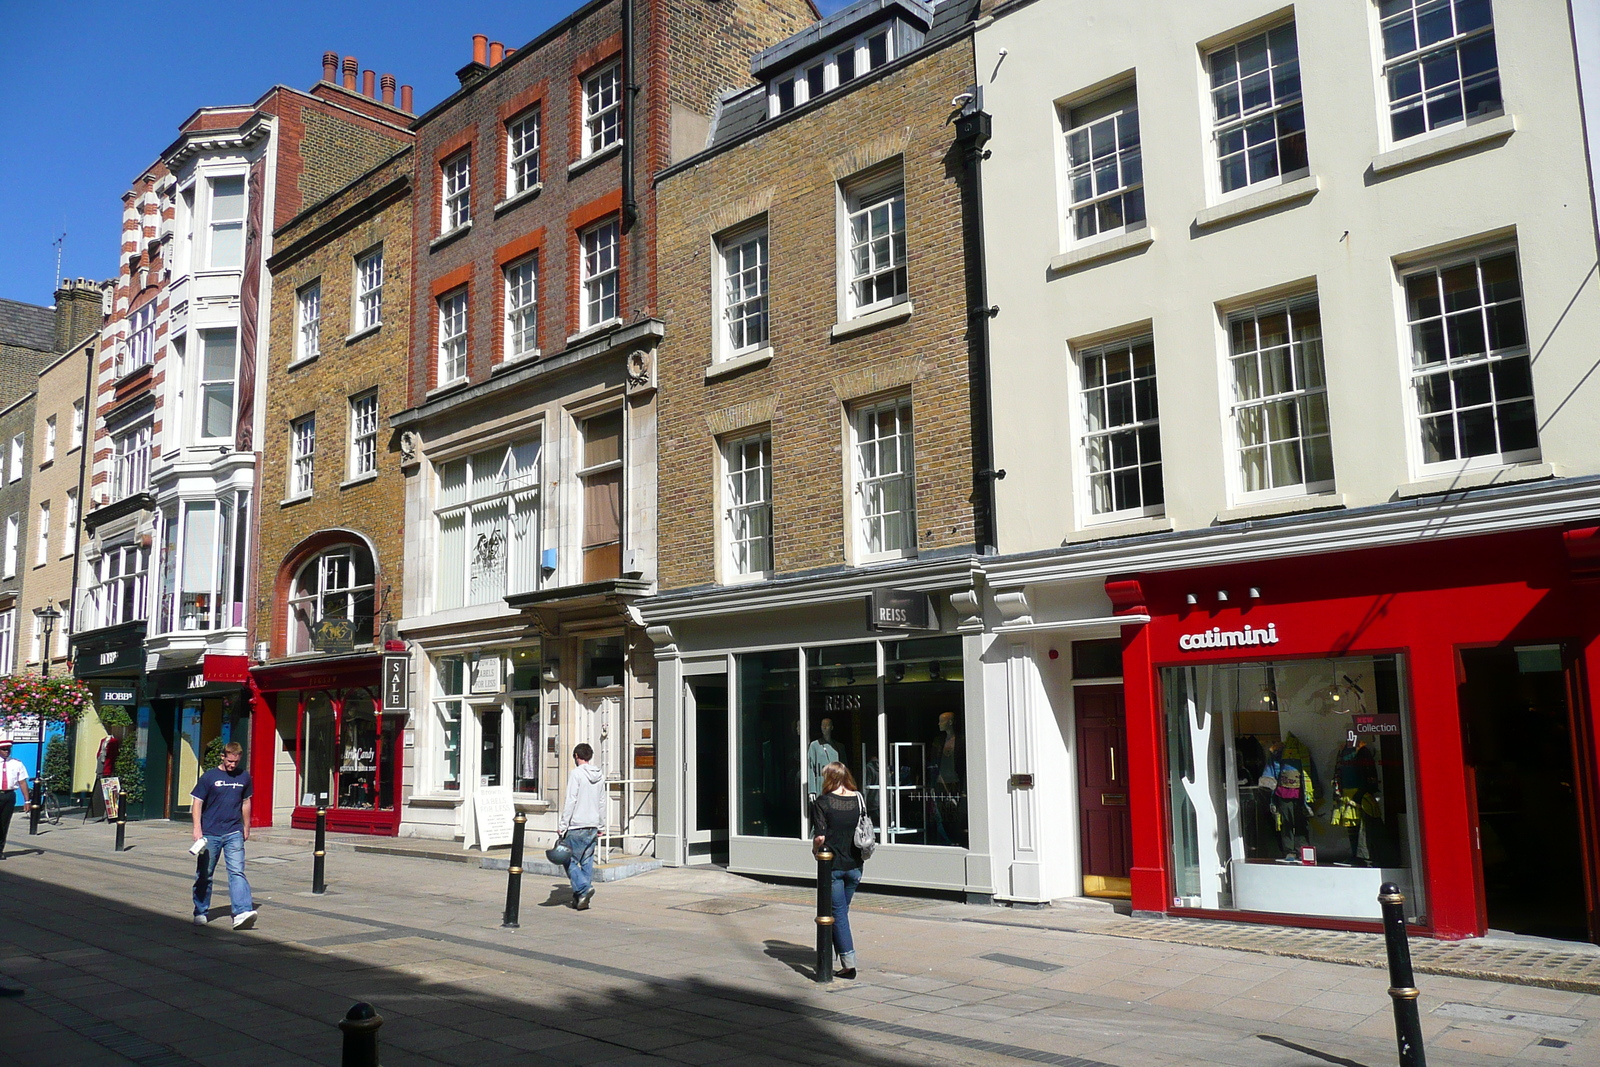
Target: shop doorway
(600,724)
(1518,731)
(705,720)
(1105,826)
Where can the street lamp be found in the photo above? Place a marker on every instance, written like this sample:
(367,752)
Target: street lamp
(48,616)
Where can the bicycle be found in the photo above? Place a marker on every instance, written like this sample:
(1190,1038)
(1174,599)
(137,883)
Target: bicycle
(49,803)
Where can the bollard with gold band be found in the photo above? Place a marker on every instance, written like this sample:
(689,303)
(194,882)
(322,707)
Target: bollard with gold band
(1402,982)
(319,852)
(824,914)
(514,880)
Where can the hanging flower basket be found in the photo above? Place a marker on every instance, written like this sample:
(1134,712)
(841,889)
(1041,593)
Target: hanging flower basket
(26,696)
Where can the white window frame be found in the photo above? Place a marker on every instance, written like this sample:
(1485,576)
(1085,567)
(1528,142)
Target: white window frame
(139,351)
(449,707)
(41,551)
(1103,399)
(121,591)
(796,88)
(69,522)
(743,292)
(333,566)
(865,205)
(455,191)
(602,109)
(451,343)
(49,440)
(1303,396)
(746,524)
(226,383)
(590,471)
(364,434)
(76,441)
(8,641)
(216,225)
(302,456)
(523,136)
(12,546)
(520,281)
(64,632)
(1243,121)
(1393,29)
(867,488)
(215,561)
(35,640)
(19,450)
(1489,359)
(1088,187)
(308,313)
(512,486)
(131,458)
(601,274)
(369,290)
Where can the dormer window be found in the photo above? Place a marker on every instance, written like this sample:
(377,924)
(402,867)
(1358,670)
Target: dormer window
(843,64)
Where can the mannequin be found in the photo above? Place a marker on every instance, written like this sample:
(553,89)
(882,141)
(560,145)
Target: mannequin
(1357,805)
(948,791)
(1290,794)
(819,754)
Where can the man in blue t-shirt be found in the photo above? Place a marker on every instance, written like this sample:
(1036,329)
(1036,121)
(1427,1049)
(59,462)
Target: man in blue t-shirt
(221,812)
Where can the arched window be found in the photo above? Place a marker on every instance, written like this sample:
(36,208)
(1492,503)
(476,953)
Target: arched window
(336,584)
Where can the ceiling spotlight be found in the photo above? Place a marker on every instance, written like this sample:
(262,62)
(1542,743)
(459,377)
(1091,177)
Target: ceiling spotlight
(1190,598)
(1255,593)
(1222,596)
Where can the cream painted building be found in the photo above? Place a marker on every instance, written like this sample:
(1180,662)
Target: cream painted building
(1297,312)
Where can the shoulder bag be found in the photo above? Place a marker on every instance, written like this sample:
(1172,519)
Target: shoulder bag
(866,839)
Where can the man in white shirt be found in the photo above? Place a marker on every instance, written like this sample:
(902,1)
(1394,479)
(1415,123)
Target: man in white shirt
(13,776)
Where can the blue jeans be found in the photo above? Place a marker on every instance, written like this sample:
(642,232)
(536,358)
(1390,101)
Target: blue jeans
(580,869)
(219,846)
(844,891)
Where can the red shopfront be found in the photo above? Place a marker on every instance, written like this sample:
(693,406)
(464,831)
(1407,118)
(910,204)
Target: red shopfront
(327,714)
(1302,729)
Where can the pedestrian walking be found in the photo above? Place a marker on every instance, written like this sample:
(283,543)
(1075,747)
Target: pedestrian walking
(582,816)
(13,776)
(221,814)
(835,813)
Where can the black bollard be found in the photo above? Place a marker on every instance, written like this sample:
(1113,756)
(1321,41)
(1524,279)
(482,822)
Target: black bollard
(122,823)
(1402,983)
(360,1026)
(514,877)
(319,856)
(38,803)
(824,916)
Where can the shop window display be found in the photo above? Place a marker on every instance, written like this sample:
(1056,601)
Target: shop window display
(842,716)
(1290,785)
(450,679)
(925,723)
(769,743)
(350,754)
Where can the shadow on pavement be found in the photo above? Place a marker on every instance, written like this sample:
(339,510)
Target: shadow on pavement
(108,981)
(801,960)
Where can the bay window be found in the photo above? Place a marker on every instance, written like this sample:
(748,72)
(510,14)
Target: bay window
(226,241)
(131,462)
(488,516)
(119,594)
(203,555)
(218,374)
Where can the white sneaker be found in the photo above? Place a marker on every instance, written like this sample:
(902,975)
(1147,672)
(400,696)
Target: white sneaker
(244,920)
(201,920)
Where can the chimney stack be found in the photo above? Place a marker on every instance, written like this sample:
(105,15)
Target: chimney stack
(497,52)
(405,99)
(480,49)
(369,84)
(350,67)
(330,66)
(387,82)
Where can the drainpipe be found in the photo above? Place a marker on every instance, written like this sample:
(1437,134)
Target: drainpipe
(84,503)
(630,91)
(973,129)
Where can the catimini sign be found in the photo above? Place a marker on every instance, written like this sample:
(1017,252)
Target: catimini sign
(1217,637)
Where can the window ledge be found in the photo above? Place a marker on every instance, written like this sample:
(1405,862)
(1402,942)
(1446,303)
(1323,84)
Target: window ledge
(448,387)
(513,363)
(1096,251)
(1255,203)
(305,361)
(1105,531)
(1475,479)
(290,501)
(360,479)
(529,802)
(365,331)
(872,320)
(512,201)
(750,360)
(578,166)
(1430,146)
(47,464)
(435,800)
(1266,509)
(591,332)
(450,235)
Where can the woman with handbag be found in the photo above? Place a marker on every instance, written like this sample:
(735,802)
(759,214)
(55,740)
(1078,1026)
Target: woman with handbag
(839,823)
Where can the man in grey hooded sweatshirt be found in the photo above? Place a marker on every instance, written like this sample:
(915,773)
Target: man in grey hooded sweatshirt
(581,818)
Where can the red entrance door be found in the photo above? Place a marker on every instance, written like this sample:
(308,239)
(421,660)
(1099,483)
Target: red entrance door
(1106,828)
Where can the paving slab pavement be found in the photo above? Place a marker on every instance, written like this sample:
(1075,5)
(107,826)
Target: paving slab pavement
(663,972)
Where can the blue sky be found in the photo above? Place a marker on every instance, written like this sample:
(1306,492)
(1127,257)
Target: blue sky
(91,91)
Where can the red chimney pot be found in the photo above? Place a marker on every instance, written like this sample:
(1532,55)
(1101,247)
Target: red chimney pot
(497,52)
(480,48)
(387,81)
(405,99)
(369,84)
(350,68)
(330,66)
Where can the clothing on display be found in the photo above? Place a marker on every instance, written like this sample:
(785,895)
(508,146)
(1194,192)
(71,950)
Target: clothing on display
(819,754)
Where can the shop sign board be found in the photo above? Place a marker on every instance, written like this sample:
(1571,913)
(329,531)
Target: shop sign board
(334,635)
(1379,724)
(900,609)
(1217,637)
(496,816)
(397,683)
(116,695)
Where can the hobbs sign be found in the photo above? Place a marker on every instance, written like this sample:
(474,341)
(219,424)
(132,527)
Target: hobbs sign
(1217,637)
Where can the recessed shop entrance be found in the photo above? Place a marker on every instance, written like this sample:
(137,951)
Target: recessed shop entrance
(1518,731)
(706,747)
